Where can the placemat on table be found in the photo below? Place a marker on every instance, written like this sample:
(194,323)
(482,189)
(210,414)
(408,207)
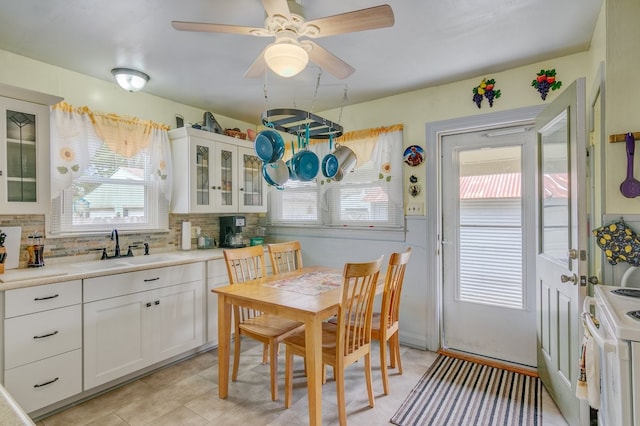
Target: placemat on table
(310,283)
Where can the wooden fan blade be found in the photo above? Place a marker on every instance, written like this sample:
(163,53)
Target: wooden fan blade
(215,28)
(328,61)
(258,67)
(358,20)
(276,7)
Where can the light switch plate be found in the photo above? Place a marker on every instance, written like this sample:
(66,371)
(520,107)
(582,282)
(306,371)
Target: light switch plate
(415,208)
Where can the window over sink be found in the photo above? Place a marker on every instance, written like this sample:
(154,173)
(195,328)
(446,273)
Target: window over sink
(114,174)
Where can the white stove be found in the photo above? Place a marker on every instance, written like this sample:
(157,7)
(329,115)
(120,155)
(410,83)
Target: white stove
(617,303)
(618,338)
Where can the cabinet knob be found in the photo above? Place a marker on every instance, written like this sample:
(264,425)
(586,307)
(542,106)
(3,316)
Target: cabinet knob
(148,304)
(241,189)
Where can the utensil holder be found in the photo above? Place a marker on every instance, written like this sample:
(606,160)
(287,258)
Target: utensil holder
(3,257)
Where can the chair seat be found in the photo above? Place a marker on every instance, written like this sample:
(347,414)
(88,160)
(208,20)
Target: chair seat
(329,337)
(270,326)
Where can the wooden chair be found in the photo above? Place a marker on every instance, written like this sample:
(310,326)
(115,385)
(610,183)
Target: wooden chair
(244,264)
(385,324)
(342,345)
(285,257)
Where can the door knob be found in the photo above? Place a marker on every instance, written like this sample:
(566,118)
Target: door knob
(594,280)
(569,278)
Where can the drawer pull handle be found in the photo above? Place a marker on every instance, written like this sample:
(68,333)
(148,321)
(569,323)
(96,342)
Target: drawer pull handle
(151,279)
(46,298)
(157,302)
(46,335)
(46,383)
(148,304)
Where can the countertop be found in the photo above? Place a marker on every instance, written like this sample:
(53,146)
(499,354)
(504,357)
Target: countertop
(11,414)
(68,271)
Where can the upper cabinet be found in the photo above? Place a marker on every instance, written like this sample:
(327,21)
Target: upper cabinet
(215,174)
(24,151)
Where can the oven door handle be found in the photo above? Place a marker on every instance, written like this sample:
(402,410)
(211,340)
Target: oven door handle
(605,344)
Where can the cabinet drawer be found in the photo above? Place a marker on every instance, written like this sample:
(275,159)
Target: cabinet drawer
(132,282)
(45,382)
(40,298)
(29,338)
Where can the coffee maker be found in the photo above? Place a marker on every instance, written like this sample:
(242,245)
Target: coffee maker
(231,231)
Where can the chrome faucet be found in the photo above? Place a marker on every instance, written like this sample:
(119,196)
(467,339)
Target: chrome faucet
(114,235)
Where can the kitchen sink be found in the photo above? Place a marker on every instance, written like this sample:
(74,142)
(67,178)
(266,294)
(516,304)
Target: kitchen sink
(153,258)
(99,265)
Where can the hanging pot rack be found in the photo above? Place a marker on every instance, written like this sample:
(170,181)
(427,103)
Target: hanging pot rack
(299,122)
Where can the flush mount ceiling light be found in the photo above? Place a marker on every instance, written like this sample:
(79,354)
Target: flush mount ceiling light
(286,57)
(130,79)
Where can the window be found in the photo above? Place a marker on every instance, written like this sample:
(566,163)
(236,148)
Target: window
(103,183)
(370,197)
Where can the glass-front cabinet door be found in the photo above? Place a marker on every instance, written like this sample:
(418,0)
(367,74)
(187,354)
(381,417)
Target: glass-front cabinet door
(252,188)
(24,155)
(226,178)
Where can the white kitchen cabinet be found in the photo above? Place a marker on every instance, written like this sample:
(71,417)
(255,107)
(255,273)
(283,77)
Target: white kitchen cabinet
(24,152)
(252,197)
(216,277)
(217,174)
(124,332)
(43,343)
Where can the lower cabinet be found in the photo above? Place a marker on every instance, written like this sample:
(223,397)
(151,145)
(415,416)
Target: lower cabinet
(216,277)
(42,343)
(45,382)
(126,333)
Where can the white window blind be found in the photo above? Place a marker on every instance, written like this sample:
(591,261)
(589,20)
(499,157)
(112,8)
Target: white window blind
(113,192)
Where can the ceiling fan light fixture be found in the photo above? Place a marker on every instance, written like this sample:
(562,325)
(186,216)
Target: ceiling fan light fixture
(286,58)
(130,79)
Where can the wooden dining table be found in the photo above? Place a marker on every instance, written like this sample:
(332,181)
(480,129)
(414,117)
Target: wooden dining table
(272,295)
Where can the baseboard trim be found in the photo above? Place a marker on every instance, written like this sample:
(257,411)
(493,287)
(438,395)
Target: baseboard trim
(516,368)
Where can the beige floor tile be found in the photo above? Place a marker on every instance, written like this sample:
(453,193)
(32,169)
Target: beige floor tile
(187,394)
(180,416)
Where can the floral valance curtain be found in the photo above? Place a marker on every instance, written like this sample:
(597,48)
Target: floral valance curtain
(77,134)
(379,148)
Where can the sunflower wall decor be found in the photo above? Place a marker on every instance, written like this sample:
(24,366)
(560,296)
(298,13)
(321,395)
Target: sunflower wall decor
(545,80)
(485,90)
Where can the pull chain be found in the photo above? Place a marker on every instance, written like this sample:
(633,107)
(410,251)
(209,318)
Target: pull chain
(315,93)
(344,101)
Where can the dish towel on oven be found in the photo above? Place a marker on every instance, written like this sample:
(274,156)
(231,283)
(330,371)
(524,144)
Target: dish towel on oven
(588,386)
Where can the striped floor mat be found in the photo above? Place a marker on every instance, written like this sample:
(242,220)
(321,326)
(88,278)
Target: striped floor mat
(459,392)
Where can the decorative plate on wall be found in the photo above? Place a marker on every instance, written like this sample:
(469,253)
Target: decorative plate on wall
(413,155)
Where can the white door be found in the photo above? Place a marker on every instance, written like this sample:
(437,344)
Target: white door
(563,235)
(488,192)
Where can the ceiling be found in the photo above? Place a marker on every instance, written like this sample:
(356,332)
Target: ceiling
(432,42)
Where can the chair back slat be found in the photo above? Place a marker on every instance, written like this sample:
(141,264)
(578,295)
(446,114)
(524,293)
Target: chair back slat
(356,307)
(244,264)
(394,279)
(285,257)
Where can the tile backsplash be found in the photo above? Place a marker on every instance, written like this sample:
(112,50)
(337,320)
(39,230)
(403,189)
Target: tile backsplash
(90,246)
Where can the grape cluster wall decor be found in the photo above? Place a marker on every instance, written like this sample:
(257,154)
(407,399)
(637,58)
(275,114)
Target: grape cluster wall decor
(545,80)
(485,89)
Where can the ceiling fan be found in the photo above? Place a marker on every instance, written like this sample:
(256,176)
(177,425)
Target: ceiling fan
(288,55)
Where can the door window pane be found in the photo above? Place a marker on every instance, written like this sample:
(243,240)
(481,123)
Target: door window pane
(491,231)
